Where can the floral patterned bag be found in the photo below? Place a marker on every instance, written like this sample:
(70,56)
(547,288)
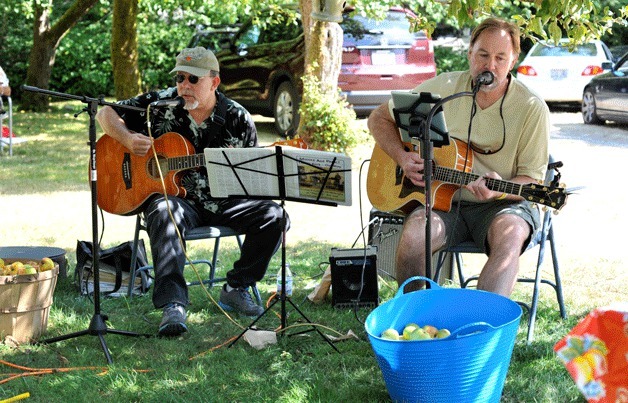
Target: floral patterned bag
(595,353)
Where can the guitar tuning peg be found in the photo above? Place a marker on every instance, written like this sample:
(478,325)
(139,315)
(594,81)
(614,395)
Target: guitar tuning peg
(562,186)
(555,212)
(544,208)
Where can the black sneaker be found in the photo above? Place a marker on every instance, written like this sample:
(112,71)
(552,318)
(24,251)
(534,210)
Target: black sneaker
(173,320)
(239,300)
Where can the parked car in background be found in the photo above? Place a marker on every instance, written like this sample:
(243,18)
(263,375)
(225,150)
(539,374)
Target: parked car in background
(559,74)
(213,37)
(380,56)
(262,64)
(605,97)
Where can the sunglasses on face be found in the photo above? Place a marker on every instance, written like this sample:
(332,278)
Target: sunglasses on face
(179,78)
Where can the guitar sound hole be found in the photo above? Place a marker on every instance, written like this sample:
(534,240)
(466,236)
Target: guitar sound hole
(152,168)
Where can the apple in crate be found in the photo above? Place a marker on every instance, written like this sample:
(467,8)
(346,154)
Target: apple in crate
(418,334)
(46,264)
(390,334)
(442,333)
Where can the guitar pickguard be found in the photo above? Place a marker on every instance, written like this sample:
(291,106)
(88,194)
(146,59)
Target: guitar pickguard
(405,184)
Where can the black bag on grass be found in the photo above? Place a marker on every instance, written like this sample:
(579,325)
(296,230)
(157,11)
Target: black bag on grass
(114,268)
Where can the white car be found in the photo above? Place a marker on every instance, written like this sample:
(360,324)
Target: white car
(558,74)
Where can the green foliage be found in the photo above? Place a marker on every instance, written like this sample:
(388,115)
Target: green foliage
(327,121)
(83,61)
(15,41)
(448,59)
(580,20)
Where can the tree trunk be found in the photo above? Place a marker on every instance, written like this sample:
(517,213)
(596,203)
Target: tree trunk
(323,51)
(124,49)
(46,39)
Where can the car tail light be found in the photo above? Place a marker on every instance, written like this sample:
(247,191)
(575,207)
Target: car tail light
(350,55)
(526,70)
(592,70)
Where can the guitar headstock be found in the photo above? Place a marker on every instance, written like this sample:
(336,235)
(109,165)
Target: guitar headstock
(550,196)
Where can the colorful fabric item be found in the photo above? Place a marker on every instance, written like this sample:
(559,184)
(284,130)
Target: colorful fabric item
(595,353)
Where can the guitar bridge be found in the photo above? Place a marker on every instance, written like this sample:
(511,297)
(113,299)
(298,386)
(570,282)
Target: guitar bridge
(126,171)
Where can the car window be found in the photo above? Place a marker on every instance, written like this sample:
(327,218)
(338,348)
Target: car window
(588,49)
(248,36)
(364,32)
(623,67)
(210,40)
(284,29)
(607,51)
(281,27)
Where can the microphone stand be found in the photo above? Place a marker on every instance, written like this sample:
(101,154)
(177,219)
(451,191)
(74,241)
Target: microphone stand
(422,130)
(97,325)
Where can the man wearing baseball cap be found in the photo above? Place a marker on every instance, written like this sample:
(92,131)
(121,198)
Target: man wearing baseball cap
(207,119)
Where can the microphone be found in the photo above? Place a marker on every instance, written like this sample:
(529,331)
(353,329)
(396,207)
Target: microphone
(485,78)
(178,101)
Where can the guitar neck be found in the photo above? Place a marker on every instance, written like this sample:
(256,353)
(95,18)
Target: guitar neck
(186,162)
(449,175)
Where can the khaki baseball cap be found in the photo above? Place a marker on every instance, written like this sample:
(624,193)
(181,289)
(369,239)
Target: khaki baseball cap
(197,61)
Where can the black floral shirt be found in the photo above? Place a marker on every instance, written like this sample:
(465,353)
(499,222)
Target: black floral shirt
(235,129)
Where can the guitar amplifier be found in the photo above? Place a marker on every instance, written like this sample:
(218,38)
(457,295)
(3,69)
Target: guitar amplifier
(353,277)
(384,233)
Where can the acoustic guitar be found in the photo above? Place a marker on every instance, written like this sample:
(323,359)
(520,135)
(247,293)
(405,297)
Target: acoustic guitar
(125,180)
(389,190)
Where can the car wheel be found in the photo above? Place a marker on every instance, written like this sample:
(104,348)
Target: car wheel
(286,110)
(589,114)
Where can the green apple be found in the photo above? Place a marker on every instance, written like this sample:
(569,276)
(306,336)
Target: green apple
(419,334)
(442,333)
(30,270)
(410,327)
(390,334)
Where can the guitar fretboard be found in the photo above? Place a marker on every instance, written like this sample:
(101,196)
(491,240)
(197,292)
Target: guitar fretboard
(186,161)
(449,175)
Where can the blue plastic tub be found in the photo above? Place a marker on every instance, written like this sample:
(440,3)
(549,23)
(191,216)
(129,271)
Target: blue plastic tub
(468,366)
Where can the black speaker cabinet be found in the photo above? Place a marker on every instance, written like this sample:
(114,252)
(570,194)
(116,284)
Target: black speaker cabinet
(384,233)
(353,277)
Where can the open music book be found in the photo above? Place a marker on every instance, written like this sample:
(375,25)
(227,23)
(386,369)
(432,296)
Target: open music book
(308,175)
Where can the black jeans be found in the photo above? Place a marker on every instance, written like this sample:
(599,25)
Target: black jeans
(260,221)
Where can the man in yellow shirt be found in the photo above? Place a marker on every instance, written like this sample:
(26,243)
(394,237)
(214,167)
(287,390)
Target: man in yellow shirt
(508,131)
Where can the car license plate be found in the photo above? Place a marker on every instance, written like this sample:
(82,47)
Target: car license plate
(382,57)
(558,74)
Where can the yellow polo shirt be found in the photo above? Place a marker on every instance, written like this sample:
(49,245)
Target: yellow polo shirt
(525,116)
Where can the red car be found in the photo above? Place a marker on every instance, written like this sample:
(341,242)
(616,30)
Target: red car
(380,56)
(261,65)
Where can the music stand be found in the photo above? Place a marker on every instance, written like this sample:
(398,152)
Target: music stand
(278,184)
(97,325)
(416,120)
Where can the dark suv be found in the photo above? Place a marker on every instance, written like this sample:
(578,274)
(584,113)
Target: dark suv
(261,65)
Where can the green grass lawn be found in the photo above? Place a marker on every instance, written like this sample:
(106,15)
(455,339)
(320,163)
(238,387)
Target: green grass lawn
(199,367)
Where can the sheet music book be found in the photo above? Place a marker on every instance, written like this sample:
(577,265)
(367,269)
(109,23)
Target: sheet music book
(308,174)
